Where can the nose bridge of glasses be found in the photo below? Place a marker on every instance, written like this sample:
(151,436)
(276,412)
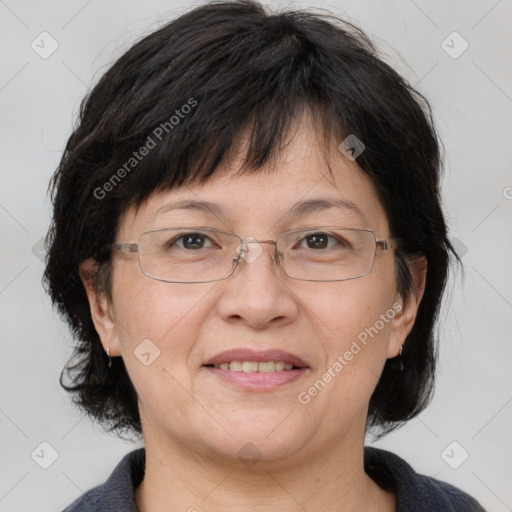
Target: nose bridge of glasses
(243,250)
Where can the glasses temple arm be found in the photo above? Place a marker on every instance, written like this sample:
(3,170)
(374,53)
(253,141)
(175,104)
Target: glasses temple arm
(391,243)
(126,247)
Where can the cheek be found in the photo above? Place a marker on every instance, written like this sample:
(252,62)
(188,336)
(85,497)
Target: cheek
(158,326)
(147,307)
(169,315)
(355,318)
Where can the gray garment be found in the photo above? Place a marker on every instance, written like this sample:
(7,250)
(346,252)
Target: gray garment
(414,492)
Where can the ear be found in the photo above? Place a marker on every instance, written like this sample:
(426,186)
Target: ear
(101,309)
(407,307)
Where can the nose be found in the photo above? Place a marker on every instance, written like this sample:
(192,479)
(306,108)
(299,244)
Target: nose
(256,294)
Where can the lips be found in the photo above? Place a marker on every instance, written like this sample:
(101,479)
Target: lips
(260,357)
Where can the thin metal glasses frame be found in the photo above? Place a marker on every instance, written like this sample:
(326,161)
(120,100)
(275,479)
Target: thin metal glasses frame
(130,247)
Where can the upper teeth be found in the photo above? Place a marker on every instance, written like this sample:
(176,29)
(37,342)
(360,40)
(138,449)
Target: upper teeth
(254,366)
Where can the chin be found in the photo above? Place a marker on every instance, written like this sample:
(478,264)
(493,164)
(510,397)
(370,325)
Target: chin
(257,441)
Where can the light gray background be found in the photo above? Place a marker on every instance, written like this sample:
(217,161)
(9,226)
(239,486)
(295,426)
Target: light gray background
(472,100)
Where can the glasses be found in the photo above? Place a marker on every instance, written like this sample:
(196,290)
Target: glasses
(202,255)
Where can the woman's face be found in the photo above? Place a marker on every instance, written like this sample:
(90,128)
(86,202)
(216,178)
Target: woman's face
(166,332)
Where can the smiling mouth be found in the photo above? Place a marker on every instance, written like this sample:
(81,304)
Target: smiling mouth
(249,376)
(254,366)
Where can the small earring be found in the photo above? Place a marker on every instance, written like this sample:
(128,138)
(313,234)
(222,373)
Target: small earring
(109,358)
(396,363)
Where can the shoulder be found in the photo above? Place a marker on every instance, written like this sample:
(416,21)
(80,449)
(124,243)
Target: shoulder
(118,492)
(415,492)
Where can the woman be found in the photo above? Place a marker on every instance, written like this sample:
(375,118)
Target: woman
(249,246)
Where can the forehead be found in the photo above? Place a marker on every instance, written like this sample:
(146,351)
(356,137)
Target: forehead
(309,180)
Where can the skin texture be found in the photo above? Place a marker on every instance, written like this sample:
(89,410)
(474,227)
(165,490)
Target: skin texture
(194,424)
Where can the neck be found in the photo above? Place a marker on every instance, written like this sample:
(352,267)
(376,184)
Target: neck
(181,477)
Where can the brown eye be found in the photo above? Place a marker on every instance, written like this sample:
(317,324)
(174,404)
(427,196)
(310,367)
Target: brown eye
(318,241)
(324,241)
(192,241)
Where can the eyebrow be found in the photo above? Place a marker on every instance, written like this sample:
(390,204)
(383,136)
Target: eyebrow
(299,209)
(302,208)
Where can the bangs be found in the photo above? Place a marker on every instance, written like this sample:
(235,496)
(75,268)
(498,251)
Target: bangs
(187,132)
(254,142)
